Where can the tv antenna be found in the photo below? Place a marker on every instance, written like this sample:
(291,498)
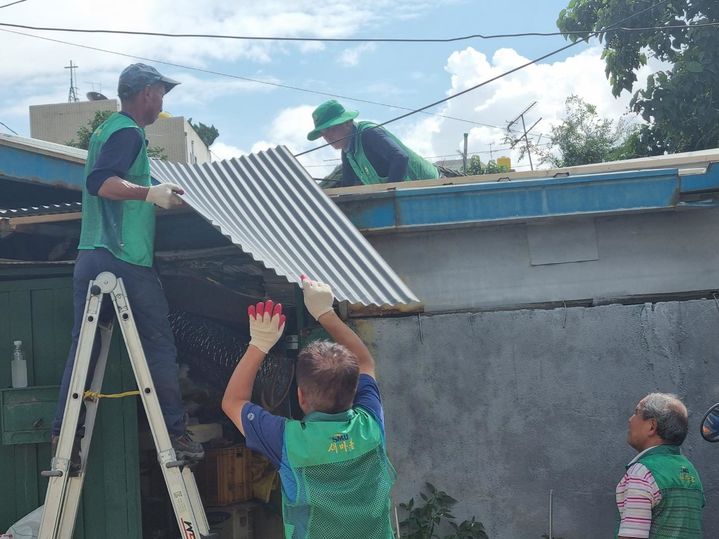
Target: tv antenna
(72,94)
(526,131)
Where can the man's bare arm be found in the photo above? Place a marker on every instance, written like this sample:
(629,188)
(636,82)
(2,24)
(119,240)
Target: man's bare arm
(165,195)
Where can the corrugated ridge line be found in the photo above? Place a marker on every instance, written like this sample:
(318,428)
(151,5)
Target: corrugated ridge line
(303,231)
(267,197)
(352,245)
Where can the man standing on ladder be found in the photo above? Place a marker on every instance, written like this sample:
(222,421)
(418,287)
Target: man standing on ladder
(118,229)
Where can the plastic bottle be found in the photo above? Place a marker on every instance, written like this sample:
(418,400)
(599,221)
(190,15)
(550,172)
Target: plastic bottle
(19,366)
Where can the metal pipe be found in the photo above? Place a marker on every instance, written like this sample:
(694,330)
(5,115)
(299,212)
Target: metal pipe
(551,513)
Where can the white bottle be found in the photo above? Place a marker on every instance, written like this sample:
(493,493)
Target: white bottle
(19,366)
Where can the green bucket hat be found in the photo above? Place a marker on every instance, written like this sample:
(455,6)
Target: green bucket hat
(328,114)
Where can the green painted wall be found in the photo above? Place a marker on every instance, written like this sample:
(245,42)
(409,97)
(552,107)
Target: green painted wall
(38,311)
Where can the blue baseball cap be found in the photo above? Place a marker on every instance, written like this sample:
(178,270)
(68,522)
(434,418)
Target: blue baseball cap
(136,76)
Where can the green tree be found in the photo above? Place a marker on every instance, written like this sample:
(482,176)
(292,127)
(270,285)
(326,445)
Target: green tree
(208,134)
(475,167)
(82,136)
(680,104)
(584,137)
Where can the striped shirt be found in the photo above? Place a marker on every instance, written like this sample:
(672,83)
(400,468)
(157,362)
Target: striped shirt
(637,494)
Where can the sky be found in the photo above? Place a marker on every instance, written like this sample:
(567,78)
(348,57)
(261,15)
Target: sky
(252,116)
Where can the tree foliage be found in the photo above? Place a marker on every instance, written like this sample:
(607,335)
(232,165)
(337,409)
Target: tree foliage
(475,167)
(584,137)
(680,104)
(208,134)
(82,136)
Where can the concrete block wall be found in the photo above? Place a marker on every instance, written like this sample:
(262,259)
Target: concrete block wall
(497,408)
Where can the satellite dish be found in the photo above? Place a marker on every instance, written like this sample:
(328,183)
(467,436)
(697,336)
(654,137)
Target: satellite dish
(95,96)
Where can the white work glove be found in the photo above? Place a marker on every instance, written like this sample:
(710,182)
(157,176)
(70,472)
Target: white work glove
(165,195)
(266,324)
(318,296)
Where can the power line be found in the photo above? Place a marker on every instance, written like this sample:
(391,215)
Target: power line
(501,75)
(13,3)
(9,129)
(355,39)
(247,79)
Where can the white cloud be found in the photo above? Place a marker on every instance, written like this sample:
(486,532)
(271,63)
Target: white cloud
(289,128)
(301,18)
(220,151)
(35,71)
(499,102)
(493,105)
(350,57)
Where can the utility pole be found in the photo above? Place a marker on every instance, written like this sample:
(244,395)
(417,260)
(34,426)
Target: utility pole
(491,156)
(526,131)
(72,94)
(464,154)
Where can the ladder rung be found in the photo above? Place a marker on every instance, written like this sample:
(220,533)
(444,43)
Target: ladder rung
(51,473)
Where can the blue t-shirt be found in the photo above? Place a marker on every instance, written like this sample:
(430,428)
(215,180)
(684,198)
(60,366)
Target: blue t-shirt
(116,157)
(387,157)
(265,432)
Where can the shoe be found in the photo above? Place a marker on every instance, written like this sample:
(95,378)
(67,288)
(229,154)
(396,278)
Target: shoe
(75,460)
(186,448)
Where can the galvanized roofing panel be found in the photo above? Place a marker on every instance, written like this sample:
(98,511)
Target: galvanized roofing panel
(269,206)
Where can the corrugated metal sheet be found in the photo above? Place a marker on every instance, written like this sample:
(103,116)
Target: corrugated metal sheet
(269,206)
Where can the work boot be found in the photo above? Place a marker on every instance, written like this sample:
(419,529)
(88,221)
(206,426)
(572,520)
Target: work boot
(75,461)
(186,448)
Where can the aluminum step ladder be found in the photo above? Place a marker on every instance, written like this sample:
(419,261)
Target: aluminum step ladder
(63,491)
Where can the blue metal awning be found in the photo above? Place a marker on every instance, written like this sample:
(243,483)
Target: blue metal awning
(43,163)
(520,200)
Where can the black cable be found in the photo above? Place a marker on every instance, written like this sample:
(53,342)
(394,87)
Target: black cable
(9,129)
(247,79)
(351,39)
(502,75)
(13,3)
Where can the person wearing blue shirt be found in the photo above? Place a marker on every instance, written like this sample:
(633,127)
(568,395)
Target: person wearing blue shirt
(335,474)
(370,153)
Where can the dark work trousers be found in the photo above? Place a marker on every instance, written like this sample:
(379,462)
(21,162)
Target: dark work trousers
(150,310)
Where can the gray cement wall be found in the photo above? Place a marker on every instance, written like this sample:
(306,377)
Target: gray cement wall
(59,122)
(497,408)
(565,259)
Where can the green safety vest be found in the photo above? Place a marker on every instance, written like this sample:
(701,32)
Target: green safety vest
(418,168)
(341,475)
(679,514)
(126,228)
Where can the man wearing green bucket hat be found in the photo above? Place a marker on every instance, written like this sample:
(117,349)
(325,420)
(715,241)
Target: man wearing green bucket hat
(370,153)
